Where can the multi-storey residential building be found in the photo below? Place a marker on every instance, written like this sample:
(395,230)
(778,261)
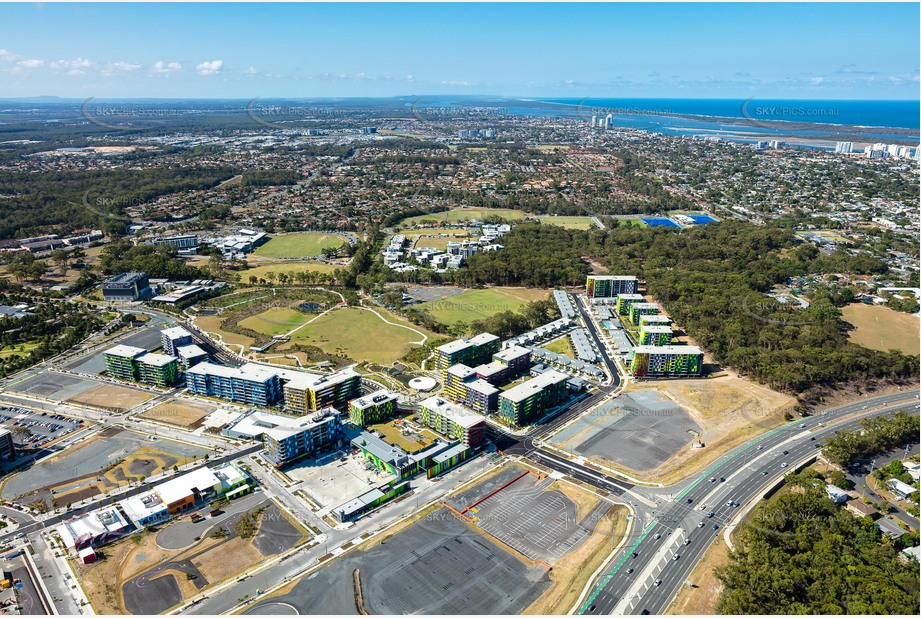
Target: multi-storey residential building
(655,319)
(606,286)
(121,362)
(180,241)
(159,369)
(308,392)
(290,438)
(453,421)
(668,361)
(462,384)
(189,355)
(653,334)
(526,401)
(252,384)
(474,351)
(638,309)
(174,338)
(373,408)
(515,358)
(7,447)
(625,300)
(127,287)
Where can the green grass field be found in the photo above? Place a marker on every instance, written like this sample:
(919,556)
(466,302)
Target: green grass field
(299,245)
(361,335)
(882,328)
(464,214)
(472,305)
(570,223)
(16,350)
(286,267)
(275,321)
(561,346)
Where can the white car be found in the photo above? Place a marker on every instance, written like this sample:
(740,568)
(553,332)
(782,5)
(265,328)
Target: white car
(783,465)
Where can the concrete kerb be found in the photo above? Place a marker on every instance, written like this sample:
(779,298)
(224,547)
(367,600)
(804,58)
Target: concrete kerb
(607,561)
(47,600)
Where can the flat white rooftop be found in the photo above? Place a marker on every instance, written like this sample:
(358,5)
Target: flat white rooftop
(157,360)
(667,349)
(462,415)
(176,332)
(534,385)
(276,426)
(373,399)
(254,373)
(125,351)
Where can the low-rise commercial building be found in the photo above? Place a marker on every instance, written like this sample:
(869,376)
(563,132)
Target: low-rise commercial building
(7,446)
(433,459)
(95,528)
(127,287)
(146,509)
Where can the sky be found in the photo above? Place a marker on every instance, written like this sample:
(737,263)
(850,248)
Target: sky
(227,50)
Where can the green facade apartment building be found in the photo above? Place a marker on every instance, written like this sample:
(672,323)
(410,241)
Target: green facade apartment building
(471,352)
(527,401)
(667,361)
(625,300)
(158,369)
(373,408)
(638,309)
(606,286)
(654,334)
(121,362)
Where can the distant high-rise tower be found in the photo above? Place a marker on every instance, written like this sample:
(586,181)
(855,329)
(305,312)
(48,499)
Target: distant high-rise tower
(844,147)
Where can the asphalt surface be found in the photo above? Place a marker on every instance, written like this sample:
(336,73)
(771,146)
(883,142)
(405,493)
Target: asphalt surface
(747,471)
(599,342)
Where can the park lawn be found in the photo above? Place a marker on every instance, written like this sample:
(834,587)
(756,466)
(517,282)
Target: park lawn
(286,267)
(882,328)
(472,305)
(275,321)
(20,349)
(570,223)
(464,214)
(362,335)
(561,346)
(305,244)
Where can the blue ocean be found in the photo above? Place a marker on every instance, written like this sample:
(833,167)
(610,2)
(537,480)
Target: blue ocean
(889,114)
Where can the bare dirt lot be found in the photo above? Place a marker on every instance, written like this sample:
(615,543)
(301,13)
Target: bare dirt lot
(178,413)
(111,397)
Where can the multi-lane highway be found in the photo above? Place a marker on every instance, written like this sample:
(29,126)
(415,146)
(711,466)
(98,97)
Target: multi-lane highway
(629,584)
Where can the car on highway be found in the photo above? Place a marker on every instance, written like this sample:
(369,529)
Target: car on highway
(715,526)
(700,525)
(783,465)
(634,555)
(630,570)
(722,480)
(764,472)
(690,500)
(592,608)
(675,557)
(687,541)
(658,582)
(658,536)
(712,479)
(710,514)
(802,425)
(760,446)
(786,452)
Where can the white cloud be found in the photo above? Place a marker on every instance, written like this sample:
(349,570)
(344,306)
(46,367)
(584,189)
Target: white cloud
(123,67)
(166,67)
(455,83)
(210,67)
(903,78)
(72,65)
(31,63)
(250,71)
(816,81)
(8,56)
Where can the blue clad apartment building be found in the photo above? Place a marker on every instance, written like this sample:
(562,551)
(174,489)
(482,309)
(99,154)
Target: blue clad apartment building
(251,384)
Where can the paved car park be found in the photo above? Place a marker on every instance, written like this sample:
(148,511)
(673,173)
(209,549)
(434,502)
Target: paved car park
(641,430)
(44,426)
(94,362)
